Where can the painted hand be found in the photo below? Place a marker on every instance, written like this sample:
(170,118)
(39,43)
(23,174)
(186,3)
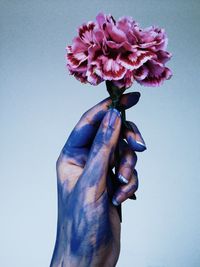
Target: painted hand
(88,230)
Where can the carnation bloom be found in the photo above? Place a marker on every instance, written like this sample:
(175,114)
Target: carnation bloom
(118,51)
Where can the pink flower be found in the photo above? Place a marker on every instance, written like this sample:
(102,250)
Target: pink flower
(118,51)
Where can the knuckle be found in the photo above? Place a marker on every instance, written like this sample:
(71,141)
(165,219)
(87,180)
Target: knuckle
(134,184)
(85,117)
(129,162)
(61,160)
(85,114)
(127,166)
(130,156)
(134,155)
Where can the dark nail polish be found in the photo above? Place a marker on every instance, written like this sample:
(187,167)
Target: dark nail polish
(142,145)
(133,197)
(133,98)
(122,179)
(130,100)
(115,202)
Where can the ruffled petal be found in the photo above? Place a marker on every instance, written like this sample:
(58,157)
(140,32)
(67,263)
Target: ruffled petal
(98,36)
(78,45)
(141,73)
(156,78)
(103,19)
(86,32)
(163,56)
(92,76)
(125,23)
(76,59)
(111,69)
(115,34)
(121,47)
(79,75)
(126,81)
(119,51)
(135,59)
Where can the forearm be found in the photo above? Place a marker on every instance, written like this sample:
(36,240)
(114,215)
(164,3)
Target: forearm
(89,240)
(101,259)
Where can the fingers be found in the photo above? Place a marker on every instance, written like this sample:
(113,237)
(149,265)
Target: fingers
(103,147)
(85,130)
(127,162)
(134,137)
(126,191)
(127,174)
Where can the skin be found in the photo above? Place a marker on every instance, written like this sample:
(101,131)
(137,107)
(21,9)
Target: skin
(88,225)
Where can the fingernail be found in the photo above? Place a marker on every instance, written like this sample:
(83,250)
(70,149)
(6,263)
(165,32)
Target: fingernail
(133,197)
(115,203)
(133,98)
(130,100)
(122,179)
(136,145)
(113,116)
(142,144)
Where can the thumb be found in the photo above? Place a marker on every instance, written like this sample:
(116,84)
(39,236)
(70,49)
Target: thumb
(103,146)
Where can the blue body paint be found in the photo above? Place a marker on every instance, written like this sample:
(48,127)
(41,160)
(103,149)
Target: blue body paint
(84,136)
(135,145)
(84,227)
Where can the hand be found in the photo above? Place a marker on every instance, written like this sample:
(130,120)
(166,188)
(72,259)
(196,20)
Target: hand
(88,230)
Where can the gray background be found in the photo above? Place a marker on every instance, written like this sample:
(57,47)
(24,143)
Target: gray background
(40,104)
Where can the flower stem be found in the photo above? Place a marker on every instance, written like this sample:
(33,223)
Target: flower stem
(115,94)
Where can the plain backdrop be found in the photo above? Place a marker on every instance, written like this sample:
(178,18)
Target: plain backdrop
(40,103)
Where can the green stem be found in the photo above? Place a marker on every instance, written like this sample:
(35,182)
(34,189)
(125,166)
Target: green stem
(116,94)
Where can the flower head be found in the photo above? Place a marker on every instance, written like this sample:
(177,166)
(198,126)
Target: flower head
(118,51)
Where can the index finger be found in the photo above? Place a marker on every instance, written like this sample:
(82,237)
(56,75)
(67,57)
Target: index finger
(86,128)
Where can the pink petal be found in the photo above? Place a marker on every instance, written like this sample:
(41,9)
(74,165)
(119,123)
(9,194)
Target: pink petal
(92,76)
(75,59)
(93,53)
(147,45)
(68,49)
(72,61)
(100,18)
(111,70)
(98,36)
(132,38)
(86,32)
(126,81)
(163,56)
(81,68)
(125,23)
(124,46)
(155,68)
(80,76)
(113,44)
(153,38)
(135,59)
(141,73)
(103,19)
(78,45)
(119,51)
(151,80)
(117,35)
